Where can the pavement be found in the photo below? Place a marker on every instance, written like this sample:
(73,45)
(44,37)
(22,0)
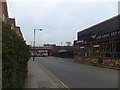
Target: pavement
(40,77)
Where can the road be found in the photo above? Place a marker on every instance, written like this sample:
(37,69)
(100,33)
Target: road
(76,75)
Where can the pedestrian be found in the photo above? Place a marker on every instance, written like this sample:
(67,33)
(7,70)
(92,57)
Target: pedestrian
(110,61)
(100,59)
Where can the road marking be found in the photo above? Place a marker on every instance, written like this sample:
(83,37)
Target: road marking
(59,58)
(55,77)
(60,81)
(52,57)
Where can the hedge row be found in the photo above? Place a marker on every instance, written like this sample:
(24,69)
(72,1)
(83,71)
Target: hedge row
(94,61)
(15,55)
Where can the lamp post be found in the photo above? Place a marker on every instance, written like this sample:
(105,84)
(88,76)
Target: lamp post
(34,43)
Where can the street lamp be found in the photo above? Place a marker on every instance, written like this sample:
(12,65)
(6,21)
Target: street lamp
(34,43)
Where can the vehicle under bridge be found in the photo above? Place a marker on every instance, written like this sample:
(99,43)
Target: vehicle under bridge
(56,51)
(41,51)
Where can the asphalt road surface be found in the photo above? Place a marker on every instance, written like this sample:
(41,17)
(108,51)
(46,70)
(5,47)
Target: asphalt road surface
(76,75)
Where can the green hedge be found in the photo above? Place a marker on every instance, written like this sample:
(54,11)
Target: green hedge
(15,55)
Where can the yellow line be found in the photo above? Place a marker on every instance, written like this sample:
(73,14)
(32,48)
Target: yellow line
(56,78)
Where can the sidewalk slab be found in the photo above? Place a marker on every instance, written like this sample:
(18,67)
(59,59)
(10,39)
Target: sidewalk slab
(40,77)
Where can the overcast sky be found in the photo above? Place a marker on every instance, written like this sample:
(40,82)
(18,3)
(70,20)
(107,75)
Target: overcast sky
(59,19)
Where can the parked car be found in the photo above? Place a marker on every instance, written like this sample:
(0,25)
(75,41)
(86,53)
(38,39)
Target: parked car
(45,54)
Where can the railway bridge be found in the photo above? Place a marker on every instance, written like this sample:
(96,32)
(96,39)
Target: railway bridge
(39,51)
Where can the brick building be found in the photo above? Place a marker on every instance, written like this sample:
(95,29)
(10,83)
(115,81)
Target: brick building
(5,18)
(63,51)
(11,21)
(18,32)
(3,11)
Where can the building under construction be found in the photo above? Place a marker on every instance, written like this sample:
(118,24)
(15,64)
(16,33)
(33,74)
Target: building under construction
(102,39)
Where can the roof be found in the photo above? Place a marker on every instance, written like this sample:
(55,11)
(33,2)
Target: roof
(11,20)
(103,27)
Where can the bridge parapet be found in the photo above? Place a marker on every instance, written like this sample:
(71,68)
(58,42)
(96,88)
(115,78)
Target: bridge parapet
(41,48)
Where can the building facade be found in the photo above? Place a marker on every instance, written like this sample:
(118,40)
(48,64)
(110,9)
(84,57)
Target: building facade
(5,18)
(18,32)
(3,11)
(11,21)
(102,39)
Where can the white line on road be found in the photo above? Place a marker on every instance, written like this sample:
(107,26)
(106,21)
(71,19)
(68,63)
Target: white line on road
(55,77)
(52,57)
(60,81)
(59,58)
